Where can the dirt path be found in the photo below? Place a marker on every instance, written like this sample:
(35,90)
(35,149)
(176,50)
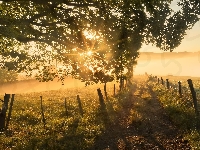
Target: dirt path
(142,125)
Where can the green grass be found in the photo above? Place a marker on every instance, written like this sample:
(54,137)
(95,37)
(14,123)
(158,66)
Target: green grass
(181,112)
(71,130)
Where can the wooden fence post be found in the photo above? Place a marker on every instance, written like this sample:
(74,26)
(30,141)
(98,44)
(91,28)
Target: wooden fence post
(80,105)
(104,113)
(193,96)
(179,88)
(101,100)
(167,82)
(162,81)
(105,92)
(114,89)
(42,112)
(10,110)
(3,112)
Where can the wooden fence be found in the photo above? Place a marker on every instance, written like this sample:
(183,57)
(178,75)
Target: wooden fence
(101,102)
(167,84)
(4,120)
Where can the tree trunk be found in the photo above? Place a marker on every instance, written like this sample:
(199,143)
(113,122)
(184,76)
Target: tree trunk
(129,76)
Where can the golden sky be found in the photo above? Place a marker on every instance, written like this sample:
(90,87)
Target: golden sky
(183,66)
(190,43)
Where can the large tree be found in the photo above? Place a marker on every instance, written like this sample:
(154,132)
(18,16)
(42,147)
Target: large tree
(93,40)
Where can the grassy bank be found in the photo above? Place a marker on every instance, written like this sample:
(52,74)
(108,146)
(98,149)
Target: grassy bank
(180,111)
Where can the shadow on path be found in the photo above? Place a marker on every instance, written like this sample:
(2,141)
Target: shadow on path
(142,124)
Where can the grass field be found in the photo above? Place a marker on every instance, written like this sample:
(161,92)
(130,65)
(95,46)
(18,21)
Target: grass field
(181,109)
(66,127)
(26,130)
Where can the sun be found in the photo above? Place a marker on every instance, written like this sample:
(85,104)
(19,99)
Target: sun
(89,53)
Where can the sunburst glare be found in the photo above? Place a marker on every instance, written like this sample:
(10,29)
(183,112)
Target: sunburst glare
(89,53)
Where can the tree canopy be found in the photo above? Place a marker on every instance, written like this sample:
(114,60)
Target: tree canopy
(92,40)
(7,76)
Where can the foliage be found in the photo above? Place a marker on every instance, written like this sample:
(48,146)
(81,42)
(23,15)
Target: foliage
(89,36)
(7,76)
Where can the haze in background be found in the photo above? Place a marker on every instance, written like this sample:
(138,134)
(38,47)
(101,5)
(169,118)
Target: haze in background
(182,65)
(33,85)
(190,43)
(177,64)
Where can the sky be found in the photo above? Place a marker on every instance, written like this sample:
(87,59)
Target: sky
(190,43)
(182,66)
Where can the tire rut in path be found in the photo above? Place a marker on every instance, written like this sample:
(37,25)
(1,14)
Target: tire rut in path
(149,128)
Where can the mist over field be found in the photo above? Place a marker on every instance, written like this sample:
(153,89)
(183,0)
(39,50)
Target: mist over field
(36,86)
(32,85)
(177,64)
(161,64)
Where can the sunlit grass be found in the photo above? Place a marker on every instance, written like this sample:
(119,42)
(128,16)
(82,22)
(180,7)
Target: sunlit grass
(181,111)
(71,130)
(67,128)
